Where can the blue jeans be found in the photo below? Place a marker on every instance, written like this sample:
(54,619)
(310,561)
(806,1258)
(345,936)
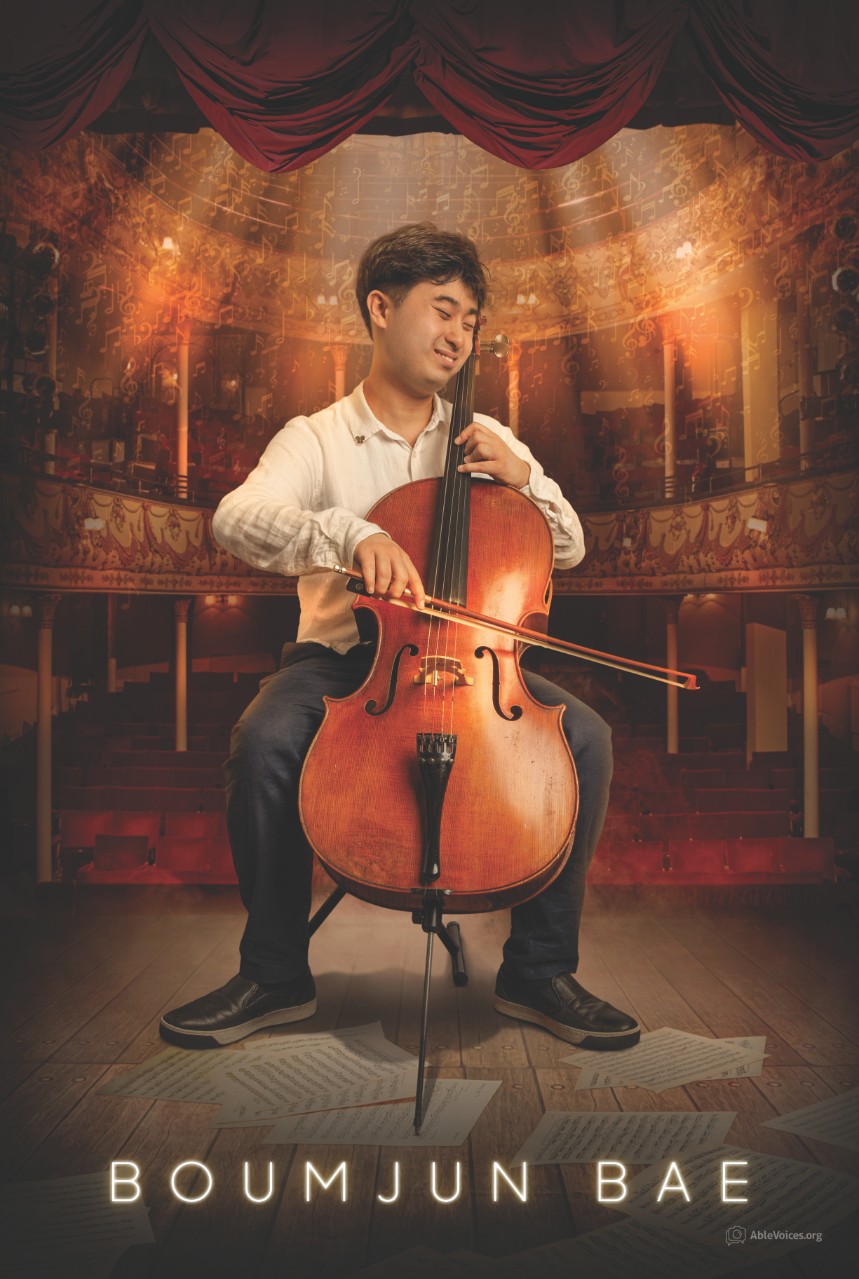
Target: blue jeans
(273,859)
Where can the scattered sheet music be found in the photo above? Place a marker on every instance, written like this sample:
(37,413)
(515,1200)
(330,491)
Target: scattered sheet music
(283,1071)
(667,1059)
(67,1228)
(835,1120)
(454,1107)
(636,1137)
(785,1196)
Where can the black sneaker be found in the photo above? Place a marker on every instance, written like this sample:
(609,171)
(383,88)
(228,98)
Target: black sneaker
(236,1010)
(565,1008)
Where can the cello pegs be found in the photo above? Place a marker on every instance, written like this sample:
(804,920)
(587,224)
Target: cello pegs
(499,346)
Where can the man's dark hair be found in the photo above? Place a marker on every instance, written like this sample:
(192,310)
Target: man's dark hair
(396,262)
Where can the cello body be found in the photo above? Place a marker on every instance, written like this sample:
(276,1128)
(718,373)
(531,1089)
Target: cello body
(505,821)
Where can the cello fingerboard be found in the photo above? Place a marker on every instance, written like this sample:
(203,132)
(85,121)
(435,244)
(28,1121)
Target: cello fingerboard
(448,566)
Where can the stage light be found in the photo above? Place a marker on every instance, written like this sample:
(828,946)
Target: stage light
(846,227)
(844,319)
(167,244)
(845,279)
(44,257)
(36,343)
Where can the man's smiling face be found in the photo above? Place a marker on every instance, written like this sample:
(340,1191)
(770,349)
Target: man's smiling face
(428,336)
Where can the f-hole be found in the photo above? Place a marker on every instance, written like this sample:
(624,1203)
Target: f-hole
(370,707)
(515,711)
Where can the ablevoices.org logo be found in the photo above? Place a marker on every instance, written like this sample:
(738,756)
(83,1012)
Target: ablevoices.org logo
(739,1234)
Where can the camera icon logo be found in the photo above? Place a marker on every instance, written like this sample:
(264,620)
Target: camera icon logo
(735,1234)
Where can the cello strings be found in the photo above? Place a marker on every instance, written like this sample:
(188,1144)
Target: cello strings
(439,568)
(460,518)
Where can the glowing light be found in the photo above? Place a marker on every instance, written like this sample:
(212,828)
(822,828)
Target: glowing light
(684,251)
(167,243)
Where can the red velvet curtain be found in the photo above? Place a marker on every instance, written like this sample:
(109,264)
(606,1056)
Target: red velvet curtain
(537,84)
(60,68)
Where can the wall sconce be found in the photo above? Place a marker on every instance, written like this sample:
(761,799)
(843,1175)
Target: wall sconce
(836,613)
(220,601)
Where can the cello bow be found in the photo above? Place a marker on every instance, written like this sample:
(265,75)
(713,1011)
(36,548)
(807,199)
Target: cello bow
(461,616)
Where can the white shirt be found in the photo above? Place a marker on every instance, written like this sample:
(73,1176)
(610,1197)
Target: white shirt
(302,509)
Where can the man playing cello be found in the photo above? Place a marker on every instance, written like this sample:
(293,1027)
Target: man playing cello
(301,511)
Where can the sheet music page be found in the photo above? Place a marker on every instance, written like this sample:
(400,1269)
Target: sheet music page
(640,1137)
(325,1061)
(67,1227)
(598,1075)
(667,1058)
(324,1071)
(454,1107)
(172,1075)
(390,1086)
(835,1120)
(785,1195)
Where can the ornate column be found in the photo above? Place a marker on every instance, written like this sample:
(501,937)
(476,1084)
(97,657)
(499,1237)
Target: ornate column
(810,739)
(806,384)
(46,608)
(180,609)
(766,681)
(513,356)
(669,379)
(672,610)
(759,363)
(339,355)
(111,643)
(182,367)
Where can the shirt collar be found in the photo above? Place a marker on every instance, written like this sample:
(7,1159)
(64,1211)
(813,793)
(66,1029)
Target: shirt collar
(363,422)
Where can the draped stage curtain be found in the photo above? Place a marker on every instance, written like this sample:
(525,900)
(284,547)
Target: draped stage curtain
(537,84)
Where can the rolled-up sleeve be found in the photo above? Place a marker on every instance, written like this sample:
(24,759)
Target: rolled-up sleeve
(270,520)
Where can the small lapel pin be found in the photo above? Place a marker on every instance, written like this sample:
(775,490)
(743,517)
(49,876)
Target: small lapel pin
(359,439)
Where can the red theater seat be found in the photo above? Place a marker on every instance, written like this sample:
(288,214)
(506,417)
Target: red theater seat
(208,825)
(700,857)
(120,852)
(755,856)
(78,828)
(182,854)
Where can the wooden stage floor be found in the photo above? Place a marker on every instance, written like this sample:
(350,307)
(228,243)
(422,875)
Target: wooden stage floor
(86,987)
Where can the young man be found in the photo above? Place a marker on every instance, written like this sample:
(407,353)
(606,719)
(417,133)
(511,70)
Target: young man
(302,511)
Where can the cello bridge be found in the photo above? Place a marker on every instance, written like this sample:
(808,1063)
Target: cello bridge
(431,668)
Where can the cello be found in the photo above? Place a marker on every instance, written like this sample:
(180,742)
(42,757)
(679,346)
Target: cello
(478,785)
